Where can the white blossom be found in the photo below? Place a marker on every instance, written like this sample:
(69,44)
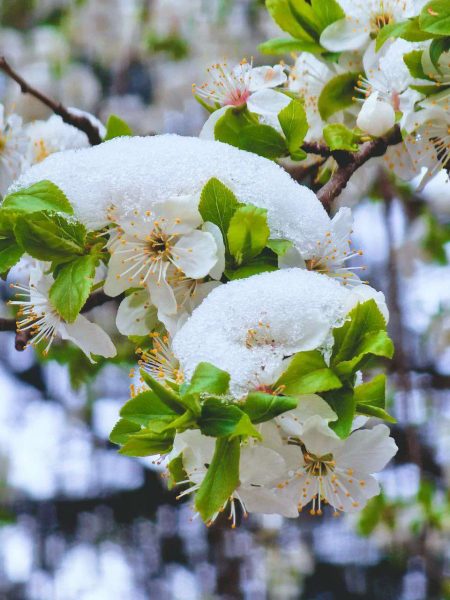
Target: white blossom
(376,116)
(337,471)
(13,144)
(52,135)
(39,317)
(157,248)
(363,19)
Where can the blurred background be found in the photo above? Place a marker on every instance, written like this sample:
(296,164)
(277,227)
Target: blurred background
(78,521)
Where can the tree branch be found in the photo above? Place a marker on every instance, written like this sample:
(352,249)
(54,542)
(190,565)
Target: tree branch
(349,162)
(79,121)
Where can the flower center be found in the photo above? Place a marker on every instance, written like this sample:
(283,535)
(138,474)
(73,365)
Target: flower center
(318,466)
(158,244)
(41,151)
(381,19)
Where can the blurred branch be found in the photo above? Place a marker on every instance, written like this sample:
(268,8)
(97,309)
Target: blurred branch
(81,122)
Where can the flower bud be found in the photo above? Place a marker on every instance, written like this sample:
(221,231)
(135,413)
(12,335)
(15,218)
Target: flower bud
(376,117)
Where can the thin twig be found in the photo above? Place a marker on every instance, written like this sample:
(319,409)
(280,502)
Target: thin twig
(348,163)
(79,121)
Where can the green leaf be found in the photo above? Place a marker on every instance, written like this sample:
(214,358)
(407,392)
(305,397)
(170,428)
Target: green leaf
(308,373)
(294,124)
(221,479)
(344,405)
(286,46)
(261,407)
(147,443)
(281,13)
(248,233)
(435,17)
(370,399)
(364,318)
(337,94)
(263,140)
(413,60)
(229,127)
(145,407)
(306,17)
(254,267)
(116,127)
(48,236)
(10,251)
(339,137)
(376,343)
(217,205)
(327,12)
(437,48)
(208,379)
(72,287)
(122,431)
(280,247)
(220,418)
(165,394)
(390,32)
(43,195)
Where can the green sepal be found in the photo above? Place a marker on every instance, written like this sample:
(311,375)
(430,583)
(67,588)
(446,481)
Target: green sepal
(176,472)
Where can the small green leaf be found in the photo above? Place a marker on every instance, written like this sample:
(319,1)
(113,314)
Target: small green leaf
(48,236)
(229,127)
(10,251)
(413,60)
(306,17)
(327,12)
(364,318)
(390,32)
(374,343)
(221,479)
(208,379)
(344,405)
(248,233)
(261,407)
(217,205)
(164,393)
(435,17)
(339,137)
(281,13)
(218,418)
(72,287)
(254,267)
(308,373)
(146,406)
(294,124)
(263,140)
(280,247)
(176,472)
(437,48)
(370,399)
(43,195)
(122,431)
(337,94)
(116,127)
(286,46)
(147,443)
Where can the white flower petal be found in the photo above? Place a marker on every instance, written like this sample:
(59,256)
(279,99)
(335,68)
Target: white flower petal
(178,215)
(268,103)
(260,466)
(291,258)
(266,77)
(262,500)
(309,405)
(218,269)
(116,282)
(345,34)
(318,437)
(376,117)
(89,337)
(195,254)
(136,315)
(161,293)
(367,450)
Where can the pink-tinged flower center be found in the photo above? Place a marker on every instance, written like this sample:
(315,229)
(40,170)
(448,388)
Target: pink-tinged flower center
(237,97)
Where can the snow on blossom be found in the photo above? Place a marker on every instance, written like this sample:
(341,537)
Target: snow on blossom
(52,135)
(13,145)
(138,173)
(363,19)
(249,326)
(335,471)
(38,316)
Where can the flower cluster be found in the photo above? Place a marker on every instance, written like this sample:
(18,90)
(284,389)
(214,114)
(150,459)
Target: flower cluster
(363,69)
(240,295)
